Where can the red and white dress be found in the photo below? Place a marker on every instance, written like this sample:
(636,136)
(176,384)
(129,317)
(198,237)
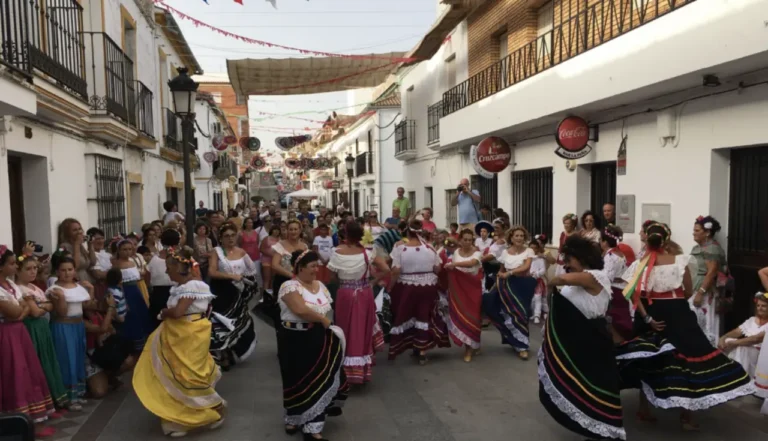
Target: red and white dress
(416,323)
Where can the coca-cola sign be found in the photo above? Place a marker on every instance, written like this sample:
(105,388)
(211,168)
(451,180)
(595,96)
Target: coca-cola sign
(572,138)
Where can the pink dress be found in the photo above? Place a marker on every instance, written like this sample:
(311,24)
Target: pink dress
(265,259)
(250,243)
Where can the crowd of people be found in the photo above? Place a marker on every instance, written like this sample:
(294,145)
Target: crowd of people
(613,318)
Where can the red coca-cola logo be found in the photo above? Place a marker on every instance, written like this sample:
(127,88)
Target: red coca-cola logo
(493,154)
(572,138)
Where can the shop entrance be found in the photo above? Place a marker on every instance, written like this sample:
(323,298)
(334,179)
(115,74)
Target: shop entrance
(747,233)
(16,192)
(603,187)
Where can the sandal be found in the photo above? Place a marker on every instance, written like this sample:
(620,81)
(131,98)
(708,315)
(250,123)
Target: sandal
(292,430)
(216,425)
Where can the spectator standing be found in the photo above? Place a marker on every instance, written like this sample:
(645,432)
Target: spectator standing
(402,203)
(201,210)
(426,223)
(465,199)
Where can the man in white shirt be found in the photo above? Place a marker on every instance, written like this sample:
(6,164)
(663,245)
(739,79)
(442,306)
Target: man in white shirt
(323,244)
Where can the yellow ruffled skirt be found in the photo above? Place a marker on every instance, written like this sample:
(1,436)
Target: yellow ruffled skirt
(176,375)
(144,291)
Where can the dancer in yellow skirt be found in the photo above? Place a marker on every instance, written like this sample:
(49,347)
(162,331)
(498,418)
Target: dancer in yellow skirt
(176,375)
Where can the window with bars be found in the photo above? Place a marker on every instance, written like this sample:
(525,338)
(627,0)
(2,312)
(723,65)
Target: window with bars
(532,200)
(110,195)
(452,213)
(488,189)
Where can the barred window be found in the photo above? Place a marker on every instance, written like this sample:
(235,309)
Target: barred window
(451,212)
(110,195)
(532,200)
(488,189)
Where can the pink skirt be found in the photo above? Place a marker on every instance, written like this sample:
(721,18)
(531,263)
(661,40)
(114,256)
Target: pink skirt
(416,320)
(23,387)
(356,315)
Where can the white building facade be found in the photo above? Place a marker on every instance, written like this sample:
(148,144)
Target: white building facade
(685,88)
(97,142)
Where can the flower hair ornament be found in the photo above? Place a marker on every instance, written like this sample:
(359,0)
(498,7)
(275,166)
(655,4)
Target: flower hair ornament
(541,237)
(616,237)
(571,216)
(298,259)
(707,225)
(761,296)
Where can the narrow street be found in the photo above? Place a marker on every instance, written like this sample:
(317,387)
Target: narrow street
(494,398)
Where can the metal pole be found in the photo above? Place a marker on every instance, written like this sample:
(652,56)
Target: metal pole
(349,197)
(189,205)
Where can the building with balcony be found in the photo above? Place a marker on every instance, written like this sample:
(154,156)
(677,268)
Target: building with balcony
(91,144)
(674,115)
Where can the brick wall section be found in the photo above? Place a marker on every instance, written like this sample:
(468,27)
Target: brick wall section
(229,105)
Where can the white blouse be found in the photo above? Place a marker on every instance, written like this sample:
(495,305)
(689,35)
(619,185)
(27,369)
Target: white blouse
(285,256)
(416,263)
(663,278)
(8,296)
(157,272)
(131,274)
(512,261)
(538,267)
(74,297)
(458,258)
(497,249)
(103,261)
(615,266)
(589,305)
(349,267)
(319,302)
(483,244)
(751,328)
(243,266)
(194,289)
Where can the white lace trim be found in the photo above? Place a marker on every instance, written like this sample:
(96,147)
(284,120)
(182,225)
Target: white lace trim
(412,323)
(426,279)
(515,333)
(194,289)
(464,338)
(565,406)
(318,408)
(358,361)
(666,347)
(313,428)
(700,403)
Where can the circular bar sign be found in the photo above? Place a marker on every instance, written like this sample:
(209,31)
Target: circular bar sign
(572,138)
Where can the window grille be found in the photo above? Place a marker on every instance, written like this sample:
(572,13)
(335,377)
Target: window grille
(110,195)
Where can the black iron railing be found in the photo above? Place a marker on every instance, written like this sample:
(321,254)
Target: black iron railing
(532,199)
(579,32)
(45,35)
(110,195)
(145,121)
(172,132)
(405,136)
(361,164)
(111,78)
(434,112)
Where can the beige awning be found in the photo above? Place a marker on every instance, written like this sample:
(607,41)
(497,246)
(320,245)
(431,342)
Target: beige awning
(295,76)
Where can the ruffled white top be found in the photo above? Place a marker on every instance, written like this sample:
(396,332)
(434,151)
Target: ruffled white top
(483,244)
(285,256)
(8,296)
(243,266)
(417,264)
(751,328)
(349,267)
(456,257)
(319,302)
(615,266)
(194,289)
(157,272)
(131,274)
(497,249)
(34,292)
(589,305)
(538,267)
(512,261)
(75,298)
(103,261)
(663,278)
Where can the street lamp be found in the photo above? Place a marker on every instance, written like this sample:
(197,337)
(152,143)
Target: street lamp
(184,91)
(248,175)
(349,162)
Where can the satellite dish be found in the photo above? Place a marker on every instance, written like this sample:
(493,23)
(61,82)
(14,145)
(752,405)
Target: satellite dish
(222,173)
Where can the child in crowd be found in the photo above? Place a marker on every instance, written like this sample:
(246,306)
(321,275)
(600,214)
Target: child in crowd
(322,245)
(454,231)
(115,290)
(539,267)
(146,254)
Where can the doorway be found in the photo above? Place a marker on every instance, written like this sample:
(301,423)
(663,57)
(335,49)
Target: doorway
(16,193)
(747,236)
(603,187)
(134,190)
(356,206)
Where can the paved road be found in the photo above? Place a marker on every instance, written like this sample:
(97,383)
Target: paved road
(493,398)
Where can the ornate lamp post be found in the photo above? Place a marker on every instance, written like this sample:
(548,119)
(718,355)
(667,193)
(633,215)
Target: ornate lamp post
(184,91)
(349,162)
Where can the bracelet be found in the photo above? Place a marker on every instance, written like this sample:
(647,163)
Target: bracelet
(702,290)
(648,319)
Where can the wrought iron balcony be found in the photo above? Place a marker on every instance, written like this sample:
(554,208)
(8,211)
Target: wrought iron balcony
(172,130)
(45,35)
(434,112)
(110,78)
(601,21)
(405,139)
(145,120)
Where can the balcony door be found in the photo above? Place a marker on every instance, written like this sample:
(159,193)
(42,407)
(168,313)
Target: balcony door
(16,193)
(546,22)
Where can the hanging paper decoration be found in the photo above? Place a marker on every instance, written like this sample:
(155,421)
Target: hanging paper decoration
(220,31)
(219,142)
(286,143)
(293,163)
(257,162)
(249,143)
(230,139)
(210,157)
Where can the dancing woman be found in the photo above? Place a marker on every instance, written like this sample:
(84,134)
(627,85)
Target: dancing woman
(158,270)
(282,270)
(508,304)
(137,324)
(615,265)
(465,295)
(232,275)
(671,359)
(417,324)
(355,311)
(310,351)
(176,374)
(579,382)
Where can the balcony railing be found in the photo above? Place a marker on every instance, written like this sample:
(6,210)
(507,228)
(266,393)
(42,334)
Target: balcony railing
(602,21)
(45,35)
(172,131)
(434,112)
(145,120)
(113,85)
(362,164)
(405,137)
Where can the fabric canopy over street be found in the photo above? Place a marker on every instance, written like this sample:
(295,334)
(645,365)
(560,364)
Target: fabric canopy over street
(303,194)
(295,76)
